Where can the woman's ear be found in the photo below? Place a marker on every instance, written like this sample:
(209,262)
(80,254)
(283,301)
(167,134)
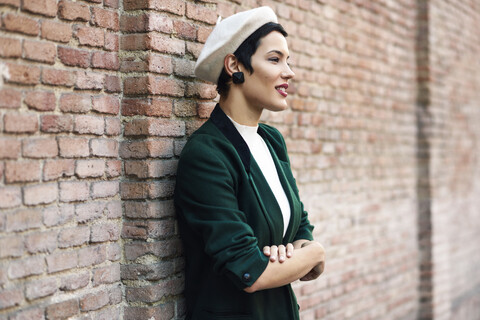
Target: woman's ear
(231,64)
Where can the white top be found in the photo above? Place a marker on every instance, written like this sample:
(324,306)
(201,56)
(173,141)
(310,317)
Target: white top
(264,159)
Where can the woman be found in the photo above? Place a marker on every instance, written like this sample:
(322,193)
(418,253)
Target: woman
(246,236)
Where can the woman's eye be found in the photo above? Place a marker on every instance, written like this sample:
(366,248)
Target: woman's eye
(274,59)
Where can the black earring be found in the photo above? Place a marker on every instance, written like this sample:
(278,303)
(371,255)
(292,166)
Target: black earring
(238,77)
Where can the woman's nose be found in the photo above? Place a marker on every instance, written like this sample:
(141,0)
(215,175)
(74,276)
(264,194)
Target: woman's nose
(288,73)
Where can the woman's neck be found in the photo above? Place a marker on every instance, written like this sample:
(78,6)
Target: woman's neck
(237,108)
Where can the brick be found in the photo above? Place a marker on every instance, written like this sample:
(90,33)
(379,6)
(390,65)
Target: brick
(112,41)
(39,148)
(159,148)
(134,23)
(89,36)
(114,209)
(40,194)
(89,125)
(185,30)
(184,68)
(10,48)
(201,13)
(56,123)
(104,147)
(185,108)
(108,231)
(74,191)
(106,275)
(147,106)
(173,6)
(158,229)
(150,168)
(73,11)
(21,24)
(89,80)
(9,148)
(203,33)
(146,190)
(104,189)
(13,3)
(164,44)
(62,310)
(131,42)
(90,168)
(10,98)
(39,51)
(166,86)
(94,301)
(10,197)
(113,126)
(114,168)
(160,64)
(41,100)
(160,23)
(23,171)
(56,31)
(114,252)
(163,311)
(23,74)
(54,216)
(201,90)
(61,261)
(146,210)
(92,256)
(11,247)
(105,60)
(41,242)
(75,281)
(105,18)
(58,77)
(20,123)
(73,237)
(134,230)
(155,127)
(54,169)
(10,298)
(41,288)
(26,267)
(111,3)
(77,103)
(112,84)
(106,104)
(74,57)
(45,7)
(89,211)
(30,314)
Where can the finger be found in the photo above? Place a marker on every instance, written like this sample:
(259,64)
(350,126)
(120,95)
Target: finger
(273,253)
(281,253)
(290,249)
(266,251)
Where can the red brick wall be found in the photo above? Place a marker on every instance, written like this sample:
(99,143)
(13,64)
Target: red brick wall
(97,99)
(61,214)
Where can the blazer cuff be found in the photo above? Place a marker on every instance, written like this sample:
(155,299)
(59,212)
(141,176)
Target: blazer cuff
(246,270)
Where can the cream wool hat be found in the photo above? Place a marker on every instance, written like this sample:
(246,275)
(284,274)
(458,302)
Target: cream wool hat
(226,37)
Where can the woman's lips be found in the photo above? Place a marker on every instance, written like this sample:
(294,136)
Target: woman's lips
(282,89)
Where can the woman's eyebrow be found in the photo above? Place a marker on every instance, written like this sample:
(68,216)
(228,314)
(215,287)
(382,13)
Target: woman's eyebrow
(277,52)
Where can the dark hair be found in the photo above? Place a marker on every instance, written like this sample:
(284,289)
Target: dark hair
(245,52)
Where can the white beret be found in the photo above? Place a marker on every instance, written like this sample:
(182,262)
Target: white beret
(226,37)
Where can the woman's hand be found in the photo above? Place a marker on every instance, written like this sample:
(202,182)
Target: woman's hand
(281,252)
(317,270)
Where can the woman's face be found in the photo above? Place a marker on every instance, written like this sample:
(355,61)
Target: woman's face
(265,87)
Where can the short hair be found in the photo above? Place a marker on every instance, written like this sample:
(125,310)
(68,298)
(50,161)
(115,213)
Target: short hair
(245,52)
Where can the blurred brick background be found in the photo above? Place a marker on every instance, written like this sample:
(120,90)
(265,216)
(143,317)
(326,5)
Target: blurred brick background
(98,97)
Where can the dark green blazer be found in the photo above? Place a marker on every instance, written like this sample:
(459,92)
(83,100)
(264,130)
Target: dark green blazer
(227,213)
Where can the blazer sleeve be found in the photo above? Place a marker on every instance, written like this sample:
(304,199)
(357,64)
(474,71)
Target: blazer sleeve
(205,198)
